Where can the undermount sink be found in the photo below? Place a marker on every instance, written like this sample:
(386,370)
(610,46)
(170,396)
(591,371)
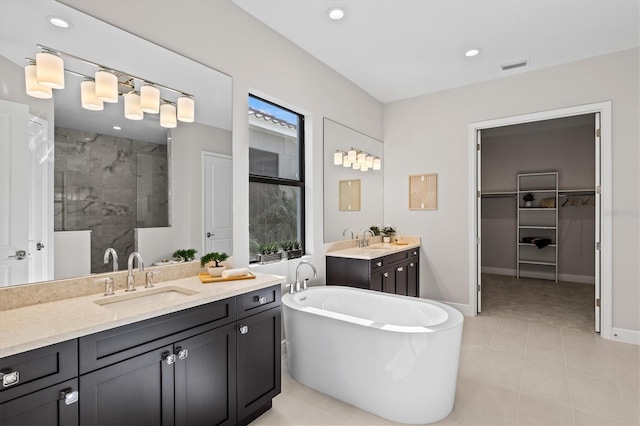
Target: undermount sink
(146,297)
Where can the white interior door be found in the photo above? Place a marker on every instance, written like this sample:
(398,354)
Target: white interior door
(41,212)
(478,220)
(218,208)
(598,224)
(15,182)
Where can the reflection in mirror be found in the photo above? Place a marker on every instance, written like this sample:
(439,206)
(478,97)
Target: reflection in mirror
(338,137)
(75,181)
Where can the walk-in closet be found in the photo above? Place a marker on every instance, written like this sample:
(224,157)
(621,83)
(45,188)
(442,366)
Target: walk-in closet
(539,222)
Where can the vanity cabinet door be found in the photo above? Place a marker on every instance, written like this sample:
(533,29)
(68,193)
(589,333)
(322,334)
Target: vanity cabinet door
(205,388)
(413,282)
(46,407)
(388,277)
(259,363)
(135,392)
(400,273)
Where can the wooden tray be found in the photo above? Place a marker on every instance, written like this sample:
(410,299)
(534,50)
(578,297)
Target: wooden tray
(205,278)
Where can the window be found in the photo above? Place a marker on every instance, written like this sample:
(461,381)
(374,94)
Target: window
(276,175)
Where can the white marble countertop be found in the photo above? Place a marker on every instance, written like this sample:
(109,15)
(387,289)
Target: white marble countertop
(373,251)
(40,325)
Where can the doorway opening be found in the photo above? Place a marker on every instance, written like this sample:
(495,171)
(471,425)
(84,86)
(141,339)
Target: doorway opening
(547,259)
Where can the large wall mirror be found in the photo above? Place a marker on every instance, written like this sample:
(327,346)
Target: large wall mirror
(367,206)
(93,179)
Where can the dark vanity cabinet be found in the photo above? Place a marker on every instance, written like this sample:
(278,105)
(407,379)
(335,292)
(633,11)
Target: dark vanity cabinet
(215,364)
(396,273)
(40,387)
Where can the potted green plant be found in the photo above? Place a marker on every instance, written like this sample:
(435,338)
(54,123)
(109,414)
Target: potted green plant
(387,232)
(376,230)
(291,249)
(185,255)
(528,199)
(269,253)
(216,258)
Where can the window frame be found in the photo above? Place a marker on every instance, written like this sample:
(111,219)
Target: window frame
(299,183)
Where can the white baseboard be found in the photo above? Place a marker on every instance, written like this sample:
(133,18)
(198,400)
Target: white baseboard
(625,336)
(464,309)
(584,279)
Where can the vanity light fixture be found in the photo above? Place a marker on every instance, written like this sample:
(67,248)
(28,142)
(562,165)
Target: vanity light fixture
(31,83)
(106,86)
(472,52)
(47,71)
(150,99)
(132,109)
(50,70)
(357,160)
(186,109)
(168,115)
(88,97)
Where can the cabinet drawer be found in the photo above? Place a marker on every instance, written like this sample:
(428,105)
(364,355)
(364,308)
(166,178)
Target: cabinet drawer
(397,257)
(38,369)
(377,263)
(115,345)
(258,301)
(414,252)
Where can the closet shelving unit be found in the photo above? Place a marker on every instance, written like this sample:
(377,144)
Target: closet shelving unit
(539,222)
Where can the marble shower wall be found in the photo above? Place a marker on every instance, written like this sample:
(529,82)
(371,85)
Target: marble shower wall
(109,185)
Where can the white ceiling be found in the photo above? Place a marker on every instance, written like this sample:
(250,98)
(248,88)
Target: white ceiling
(396,49)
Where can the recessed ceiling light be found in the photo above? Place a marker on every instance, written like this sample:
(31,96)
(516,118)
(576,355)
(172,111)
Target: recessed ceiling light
(117,128)
(58,22)
(472,52)
(335,13)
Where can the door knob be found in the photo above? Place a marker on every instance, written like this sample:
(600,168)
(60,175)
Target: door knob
(209,235)
(39,246)
(20,254)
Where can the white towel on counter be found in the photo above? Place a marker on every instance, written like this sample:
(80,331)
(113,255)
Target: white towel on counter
(238,272)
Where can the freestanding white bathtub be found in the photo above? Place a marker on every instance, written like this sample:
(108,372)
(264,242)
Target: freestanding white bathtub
(394,356)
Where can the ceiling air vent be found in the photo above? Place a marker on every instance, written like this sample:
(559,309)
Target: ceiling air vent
(516,64)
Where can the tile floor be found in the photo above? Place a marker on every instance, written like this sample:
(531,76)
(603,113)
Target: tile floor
(511,372)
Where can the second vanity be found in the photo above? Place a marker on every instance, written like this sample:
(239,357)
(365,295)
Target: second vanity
(388,267)
(180,353)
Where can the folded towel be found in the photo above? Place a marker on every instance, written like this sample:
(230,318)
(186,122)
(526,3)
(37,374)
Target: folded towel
(541,242)
(238,272)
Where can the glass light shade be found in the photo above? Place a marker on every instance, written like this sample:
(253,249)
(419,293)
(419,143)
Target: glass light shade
(106,87)
(346,163)
(355,166)
(132,109)
(186,109)
(50,70)
(150,99)
(364,168)
(377,164)
(362,158)
(351,155)
(88,96)
(168,116)
(369,161)
(31,84)
(337,158)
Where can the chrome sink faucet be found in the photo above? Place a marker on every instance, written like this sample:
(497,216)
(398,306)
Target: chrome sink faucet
(365,240)
(315,274)
(345,232)
(131,283)
(114,258)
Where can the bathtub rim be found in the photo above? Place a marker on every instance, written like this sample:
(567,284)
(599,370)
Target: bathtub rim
(454,317)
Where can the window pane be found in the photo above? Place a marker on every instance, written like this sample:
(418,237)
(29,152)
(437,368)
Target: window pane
(274,215)
(273,141)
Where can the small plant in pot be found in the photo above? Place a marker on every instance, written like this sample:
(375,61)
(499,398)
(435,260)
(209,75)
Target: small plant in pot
(291,249)
(269,253)
(376,230)
(528,199)
(216,269)
(387,232)
(185,255)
